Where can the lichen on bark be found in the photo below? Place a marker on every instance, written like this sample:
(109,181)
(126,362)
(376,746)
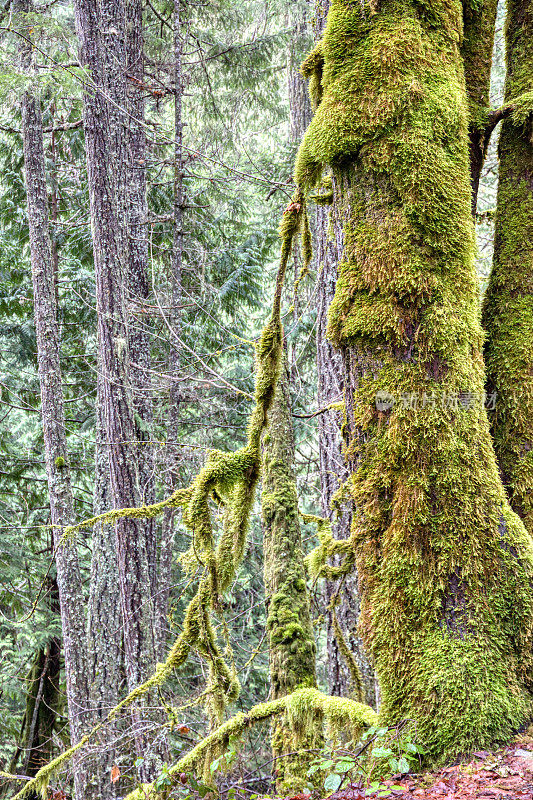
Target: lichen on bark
(445,566)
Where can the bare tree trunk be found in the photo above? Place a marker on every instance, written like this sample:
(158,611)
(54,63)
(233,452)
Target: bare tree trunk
(334,469)
(173,458)
(42,703)
(292,649)
(104,626)
(101,28)
(53,417)
(299,104)
(138,277)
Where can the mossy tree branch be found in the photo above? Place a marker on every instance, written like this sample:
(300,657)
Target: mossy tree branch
(345,720)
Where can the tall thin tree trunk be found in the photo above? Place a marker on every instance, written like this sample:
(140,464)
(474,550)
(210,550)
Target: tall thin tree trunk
(445,566)
(508,309)
(138,276)
(104,626)
(101,29)
(172,451)
(334,470)
(292,649)
(53,416)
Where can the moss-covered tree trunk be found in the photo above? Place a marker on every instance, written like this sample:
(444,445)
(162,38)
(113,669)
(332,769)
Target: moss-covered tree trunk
(292,648)
(341,594)
(508,310)
(445,566)
(479,20)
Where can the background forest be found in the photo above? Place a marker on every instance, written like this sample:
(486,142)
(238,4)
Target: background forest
(204,110)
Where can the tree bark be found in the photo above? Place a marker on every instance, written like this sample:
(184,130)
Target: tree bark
(53,416)
(444,564)
(42,703)
(101,29)
(292,649)
(334,470)
(508,308)
(173,458)
(138,277)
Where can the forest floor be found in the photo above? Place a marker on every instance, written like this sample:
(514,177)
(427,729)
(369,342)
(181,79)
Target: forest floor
(505,774)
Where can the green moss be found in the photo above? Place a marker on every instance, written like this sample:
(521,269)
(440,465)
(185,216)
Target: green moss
(508,308)
(231,478)
(292,648)
(445,566)
(345,720)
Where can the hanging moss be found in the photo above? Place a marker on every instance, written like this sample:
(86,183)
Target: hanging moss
(232,479)
(508,309)
(445,566)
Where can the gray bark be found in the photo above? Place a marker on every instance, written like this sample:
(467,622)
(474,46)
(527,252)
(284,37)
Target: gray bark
(172,453)
(299,104)
(53,417)
(104,624)
(138,276)
(101,28)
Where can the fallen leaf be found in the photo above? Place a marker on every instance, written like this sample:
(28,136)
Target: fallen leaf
(115,773)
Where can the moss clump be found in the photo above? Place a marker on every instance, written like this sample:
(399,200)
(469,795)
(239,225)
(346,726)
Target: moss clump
(508,308)
(445,566)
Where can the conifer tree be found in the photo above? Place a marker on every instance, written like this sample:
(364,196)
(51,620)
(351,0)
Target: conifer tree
(53,420)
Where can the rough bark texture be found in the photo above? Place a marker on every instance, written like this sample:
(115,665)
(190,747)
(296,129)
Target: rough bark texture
(53,417)
(479,20)
(508,310)
(101,29)
(445,565)
(334,470)
(138,276)
(292,649)
(299,106)
(173,455)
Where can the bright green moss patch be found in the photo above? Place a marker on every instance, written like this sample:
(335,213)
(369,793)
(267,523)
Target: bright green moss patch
(292,648)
